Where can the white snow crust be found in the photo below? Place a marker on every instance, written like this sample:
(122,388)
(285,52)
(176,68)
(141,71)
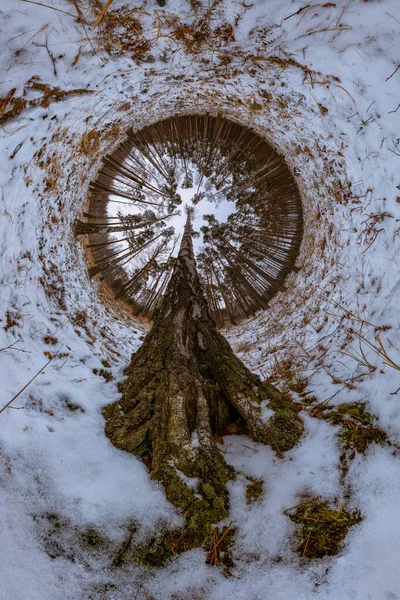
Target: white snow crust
(332,111)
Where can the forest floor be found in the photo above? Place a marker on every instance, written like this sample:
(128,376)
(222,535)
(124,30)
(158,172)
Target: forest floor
(321,81)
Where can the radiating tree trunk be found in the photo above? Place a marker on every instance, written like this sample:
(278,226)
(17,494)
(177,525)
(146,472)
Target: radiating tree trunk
(184,385)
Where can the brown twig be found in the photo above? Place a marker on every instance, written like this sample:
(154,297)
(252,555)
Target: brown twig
(389,15)
(11,347)
(51,55)
(51,7)
(102,12)
(124,546)
(325,31)
(394,72)
(393,111)
(297,12)
(29,382)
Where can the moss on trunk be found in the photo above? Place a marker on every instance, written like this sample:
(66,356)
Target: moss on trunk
(183,386)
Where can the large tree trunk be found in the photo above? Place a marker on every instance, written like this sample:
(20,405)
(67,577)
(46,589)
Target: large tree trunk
(184,385)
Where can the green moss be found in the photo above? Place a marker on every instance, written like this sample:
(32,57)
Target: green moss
(322,529)
(362,437)
(254,490)
(218,503)
(199,532)
(357,410)
(222,368)
(92,538)
(180,494)
(357,429)
(214,470)
(266,391)
(285,427)
(108,411)
(209,491)
(201,514)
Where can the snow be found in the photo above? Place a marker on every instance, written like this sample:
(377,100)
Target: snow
(57,460)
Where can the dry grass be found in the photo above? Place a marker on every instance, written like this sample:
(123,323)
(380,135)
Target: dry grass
(121,32)
(90,143)
(244,347)
(371,230)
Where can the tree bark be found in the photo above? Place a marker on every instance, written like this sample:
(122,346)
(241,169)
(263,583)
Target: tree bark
(184,385)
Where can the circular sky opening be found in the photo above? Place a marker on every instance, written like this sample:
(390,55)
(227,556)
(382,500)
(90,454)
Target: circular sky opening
(246,215)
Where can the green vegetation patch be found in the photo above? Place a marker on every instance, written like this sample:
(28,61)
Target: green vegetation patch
(202,516)
(357,428)
(254,490)
(199,532)
(285,427)
(92,538)
(322,529)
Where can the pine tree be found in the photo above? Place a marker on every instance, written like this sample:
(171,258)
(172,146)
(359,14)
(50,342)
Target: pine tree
(183,386)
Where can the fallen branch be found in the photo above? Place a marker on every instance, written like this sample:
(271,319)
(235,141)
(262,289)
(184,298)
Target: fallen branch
(394,72)
(297,12)
(393,111)
(11,347)
(325,31)
(29,383)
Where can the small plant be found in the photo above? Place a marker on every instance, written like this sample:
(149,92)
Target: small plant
(290,373)
(371,231)
(357,426)
(322,529)
(358,431)
(254,490)
(285,427)
(91,538)
(197,533)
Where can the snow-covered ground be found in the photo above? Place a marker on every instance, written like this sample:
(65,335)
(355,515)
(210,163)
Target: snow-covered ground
(323,86)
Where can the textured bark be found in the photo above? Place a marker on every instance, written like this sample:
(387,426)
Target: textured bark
(184,385)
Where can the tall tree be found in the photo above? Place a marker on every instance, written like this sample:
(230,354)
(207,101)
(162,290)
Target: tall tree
(183,386)
(254,230)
